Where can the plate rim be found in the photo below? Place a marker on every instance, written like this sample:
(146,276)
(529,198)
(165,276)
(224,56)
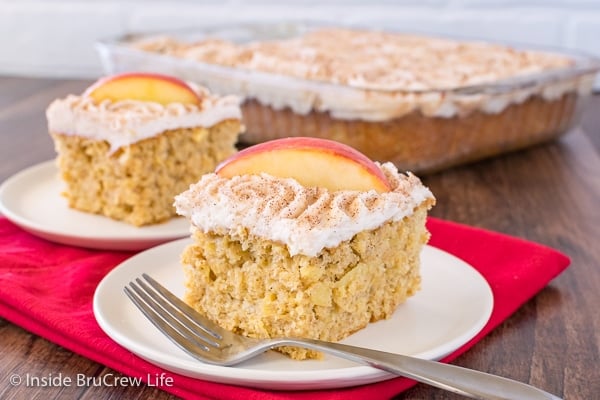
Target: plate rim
(148,236)
(294,379)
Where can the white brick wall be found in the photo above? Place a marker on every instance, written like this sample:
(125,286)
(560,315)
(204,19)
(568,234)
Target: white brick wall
(56,37)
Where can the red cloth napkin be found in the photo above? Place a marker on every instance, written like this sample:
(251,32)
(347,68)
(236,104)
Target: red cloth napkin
(47,289)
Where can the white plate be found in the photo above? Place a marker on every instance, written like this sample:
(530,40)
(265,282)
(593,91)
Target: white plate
(32,199)
(454,304)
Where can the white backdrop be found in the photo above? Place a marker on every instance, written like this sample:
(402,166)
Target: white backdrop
(56,37)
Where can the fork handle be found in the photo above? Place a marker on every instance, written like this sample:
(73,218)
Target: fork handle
(467,382)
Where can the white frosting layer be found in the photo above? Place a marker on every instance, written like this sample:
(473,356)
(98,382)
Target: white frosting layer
(125,122)
(379,76)
(305,219)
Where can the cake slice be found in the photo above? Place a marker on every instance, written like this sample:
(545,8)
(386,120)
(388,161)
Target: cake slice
(303,237)
(133,141)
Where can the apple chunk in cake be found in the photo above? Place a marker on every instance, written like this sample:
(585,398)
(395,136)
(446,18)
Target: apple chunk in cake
(137,183)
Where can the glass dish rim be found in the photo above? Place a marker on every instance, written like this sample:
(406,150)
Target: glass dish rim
(584,63)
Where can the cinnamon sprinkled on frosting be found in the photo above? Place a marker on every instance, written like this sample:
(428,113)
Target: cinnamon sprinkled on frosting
(124,122)
(382,75)
(306,219)
(369,59)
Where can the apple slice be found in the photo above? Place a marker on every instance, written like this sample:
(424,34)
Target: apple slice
(311,161)
(142,86)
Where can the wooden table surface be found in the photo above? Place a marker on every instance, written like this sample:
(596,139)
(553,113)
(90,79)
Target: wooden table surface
(549,194)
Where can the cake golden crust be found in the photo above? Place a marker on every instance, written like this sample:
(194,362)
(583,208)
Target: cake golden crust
(137,183)
(253,286)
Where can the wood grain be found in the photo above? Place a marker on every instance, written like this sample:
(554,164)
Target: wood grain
(549,194)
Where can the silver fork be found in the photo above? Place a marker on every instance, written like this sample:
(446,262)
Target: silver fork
(209,343)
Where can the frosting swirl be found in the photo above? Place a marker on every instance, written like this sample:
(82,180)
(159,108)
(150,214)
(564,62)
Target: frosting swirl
(125,122)
(305,219)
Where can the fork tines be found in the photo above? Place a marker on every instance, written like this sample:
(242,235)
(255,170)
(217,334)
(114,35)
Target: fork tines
(189,330)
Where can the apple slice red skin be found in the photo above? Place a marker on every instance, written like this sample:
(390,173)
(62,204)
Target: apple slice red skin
(101,89)
(308,146)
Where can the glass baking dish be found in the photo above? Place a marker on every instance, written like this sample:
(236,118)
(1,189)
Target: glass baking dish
(419,130)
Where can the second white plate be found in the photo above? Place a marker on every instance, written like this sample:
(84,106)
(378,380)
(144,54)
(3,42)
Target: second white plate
(454,304)
(32,200)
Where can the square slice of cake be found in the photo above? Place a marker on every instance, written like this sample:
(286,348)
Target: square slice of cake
(133,141)
(303,237)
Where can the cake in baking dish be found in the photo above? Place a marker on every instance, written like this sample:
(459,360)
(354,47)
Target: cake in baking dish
(303,237)
(423,102)
(133,141)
